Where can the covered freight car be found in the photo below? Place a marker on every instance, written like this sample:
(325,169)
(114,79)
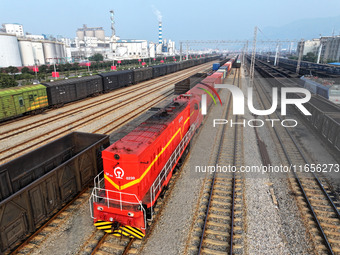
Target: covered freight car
(36,184)
(142,74)
(171,68)
(116,80)
(159,70)
(65,91)
(19,100)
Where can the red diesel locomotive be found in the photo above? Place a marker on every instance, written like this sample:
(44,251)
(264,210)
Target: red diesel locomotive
(138,166)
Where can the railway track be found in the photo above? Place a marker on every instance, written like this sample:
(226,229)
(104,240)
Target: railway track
(32,142)
(314,197)
(98,242)
(220,212)
(103,243)
(10,132)
(53,224)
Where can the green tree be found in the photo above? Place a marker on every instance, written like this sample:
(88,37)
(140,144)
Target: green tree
(310,57)
(42,76)
(51,68)
(75,66)
(12,70)
(68,66)
(96,57)
(331,60)
(43,69)
(25,76)
(7,81)
(25,70)
(61,67)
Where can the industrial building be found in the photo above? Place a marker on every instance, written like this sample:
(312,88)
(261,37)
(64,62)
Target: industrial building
(13,29)
(309,46)
(92,40)
(18,49)
(9,50)
(327,48)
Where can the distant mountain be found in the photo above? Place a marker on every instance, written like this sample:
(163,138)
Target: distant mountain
(306,29)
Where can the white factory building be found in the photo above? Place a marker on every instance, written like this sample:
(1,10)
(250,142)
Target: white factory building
(13,29)
(9,50)
(326,48)
(18,49)
(89,41)
(92,40)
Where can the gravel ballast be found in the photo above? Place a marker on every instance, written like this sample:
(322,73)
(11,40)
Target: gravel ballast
(289,226)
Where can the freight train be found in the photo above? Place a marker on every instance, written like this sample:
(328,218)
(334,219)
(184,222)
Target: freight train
(306,67)
(35,98)
(138,167)
(36,185)
(325,118)
(327,88)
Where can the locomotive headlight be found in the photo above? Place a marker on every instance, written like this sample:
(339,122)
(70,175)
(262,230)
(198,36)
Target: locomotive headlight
(111,219)
(131,214)
(116,156)
(99,208)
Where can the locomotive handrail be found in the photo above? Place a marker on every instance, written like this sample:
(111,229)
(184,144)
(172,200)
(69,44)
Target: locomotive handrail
(95,198)
(157,184)
(95,192)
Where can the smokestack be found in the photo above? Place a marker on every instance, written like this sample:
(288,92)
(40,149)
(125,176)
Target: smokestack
(160,33)
(113,23)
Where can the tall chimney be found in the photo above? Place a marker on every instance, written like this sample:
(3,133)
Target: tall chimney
(160,33)
(113,24)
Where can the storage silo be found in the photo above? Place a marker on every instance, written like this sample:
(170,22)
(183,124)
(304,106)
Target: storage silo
(9,51)
(63,51)
(80,34)
(38,52)
(58,51)
(50,52)
(99,34)
(26,52)
(89,33)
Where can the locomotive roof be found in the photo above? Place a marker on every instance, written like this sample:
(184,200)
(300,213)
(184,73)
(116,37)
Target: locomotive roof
(72,80)
(108,74)
(148,131)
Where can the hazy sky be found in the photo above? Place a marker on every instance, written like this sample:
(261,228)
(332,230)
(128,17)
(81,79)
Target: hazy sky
(135,19)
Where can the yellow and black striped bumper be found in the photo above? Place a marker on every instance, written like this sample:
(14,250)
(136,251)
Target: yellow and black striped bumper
(127,231)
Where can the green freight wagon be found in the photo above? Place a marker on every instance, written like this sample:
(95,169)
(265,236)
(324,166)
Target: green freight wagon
(19,100)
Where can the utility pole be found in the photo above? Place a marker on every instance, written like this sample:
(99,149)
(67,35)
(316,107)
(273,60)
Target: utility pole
(35,68)
(55,70)
(252,63)
(180,51)
(276,54)
(302,45)
(187,51)
(319,53)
